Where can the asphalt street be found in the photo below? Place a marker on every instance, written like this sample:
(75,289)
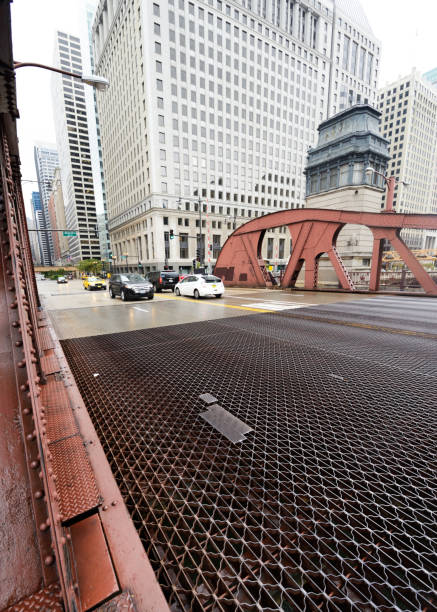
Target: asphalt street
(76,313)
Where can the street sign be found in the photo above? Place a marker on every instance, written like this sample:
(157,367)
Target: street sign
(68,233)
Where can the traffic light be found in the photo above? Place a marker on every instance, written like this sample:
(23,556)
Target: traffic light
(198,254)
(171,234)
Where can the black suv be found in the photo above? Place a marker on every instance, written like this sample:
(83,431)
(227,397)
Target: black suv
(164,279)
(129,286)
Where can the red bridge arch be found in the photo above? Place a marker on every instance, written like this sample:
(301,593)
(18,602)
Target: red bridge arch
(314,232)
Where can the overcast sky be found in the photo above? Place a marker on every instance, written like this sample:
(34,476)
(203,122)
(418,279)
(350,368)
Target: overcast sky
(407,31)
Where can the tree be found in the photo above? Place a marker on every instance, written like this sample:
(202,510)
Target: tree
(90,265)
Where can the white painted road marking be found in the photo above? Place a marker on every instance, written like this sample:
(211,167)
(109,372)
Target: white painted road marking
(277,306)
(142,309)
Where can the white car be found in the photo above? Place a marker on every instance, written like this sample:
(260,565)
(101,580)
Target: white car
(200,285)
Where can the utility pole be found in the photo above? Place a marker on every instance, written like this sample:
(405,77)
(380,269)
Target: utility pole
(201,235)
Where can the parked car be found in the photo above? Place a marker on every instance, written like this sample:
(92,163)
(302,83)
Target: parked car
(200,285)
(129,286)
(92,282)
(61,279)
(164,279)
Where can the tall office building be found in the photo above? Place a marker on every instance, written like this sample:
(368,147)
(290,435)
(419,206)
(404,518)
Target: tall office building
(46,160)
(409,122)
(74,150)
(34,244)
(96,145)
(218,100)
(40,226)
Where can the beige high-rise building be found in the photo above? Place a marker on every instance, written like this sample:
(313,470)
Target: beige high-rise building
(218,100)
(59,206)
(409,122)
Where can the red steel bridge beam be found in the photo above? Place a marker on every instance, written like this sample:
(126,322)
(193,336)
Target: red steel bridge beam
(313,233)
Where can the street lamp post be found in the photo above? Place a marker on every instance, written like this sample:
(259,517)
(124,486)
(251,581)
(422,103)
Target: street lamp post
(390,181)
(94,80)
(378,243)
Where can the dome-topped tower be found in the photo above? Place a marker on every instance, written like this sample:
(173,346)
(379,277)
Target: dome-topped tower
(348,143)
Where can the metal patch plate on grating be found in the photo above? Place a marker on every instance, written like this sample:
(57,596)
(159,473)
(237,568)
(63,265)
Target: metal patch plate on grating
(329,504)
(75,482)
(226,423)
(46,600)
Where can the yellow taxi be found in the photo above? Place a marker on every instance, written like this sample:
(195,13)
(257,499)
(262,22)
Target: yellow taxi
(92,282)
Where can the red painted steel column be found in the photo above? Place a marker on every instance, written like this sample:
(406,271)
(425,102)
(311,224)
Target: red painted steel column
(299,234)
(415,266)
(375,270)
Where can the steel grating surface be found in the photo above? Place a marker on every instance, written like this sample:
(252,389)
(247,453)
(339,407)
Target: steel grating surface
(330,503)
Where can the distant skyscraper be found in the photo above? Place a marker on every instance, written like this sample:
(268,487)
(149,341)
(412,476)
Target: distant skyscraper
(46,160)
(218,100)
(431,76)
(409,122)
(74,150)
(34,244)
(40,226)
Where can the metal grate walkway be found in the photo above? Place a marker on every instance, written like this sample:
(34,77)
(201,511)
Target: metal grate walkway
(329,504)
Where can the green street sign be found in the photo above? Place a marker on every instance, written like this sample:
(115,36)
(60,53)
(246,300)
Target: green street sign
(69,233)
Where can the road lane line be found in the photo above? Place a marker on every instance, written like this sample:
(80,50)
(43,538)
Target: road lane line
(138,308)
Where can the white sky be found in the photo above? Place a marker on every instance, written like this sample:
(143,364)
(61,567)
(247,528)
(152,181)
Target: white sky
(406,29)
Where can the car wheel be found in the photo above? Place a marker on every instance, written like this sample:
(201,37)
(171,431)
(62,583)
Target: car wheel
(111,294)
(123,296)
(150,297)
(177,291)
(196,294)
(218,295)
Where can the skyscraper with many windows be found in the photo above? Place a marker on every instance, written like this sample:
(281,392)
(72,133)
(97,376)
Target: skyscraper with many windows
(218,100)
(46,160)
(41,229)
(409,122)
(74,150)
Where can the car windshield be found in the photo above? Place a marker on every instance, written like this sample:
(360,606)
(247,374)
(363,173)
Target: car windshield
(92,278)
(133,278)
(170,274)
(211,279)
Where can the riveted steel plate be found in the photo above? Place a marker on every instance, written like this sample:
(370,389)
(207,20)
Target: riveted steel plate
(46,338)
(95,571)
(75,483)
(60,421)
(328,504)
(226,423)
(46,600)
(50,363)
